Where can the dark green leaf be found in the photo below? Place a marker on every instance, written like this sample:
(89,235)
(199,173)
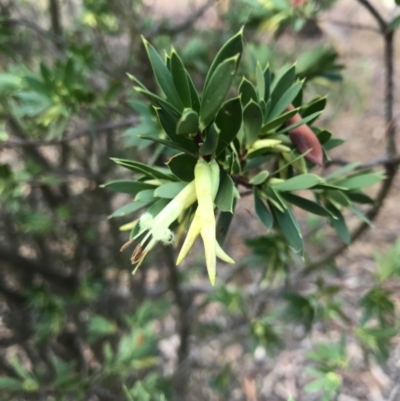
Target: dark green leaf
(215,93)
(233,47)
(168,143)
(306,204)
(182,166)
(155,172)
(313,107)
(252,122)
(262,211)
(282,82)
(339,224)
(188,123)
(277,122)
(360,197)
(247,92)
(223,223)
(169,190)
(229,120)
(179,77)
(267,80)
(224,198)
(193,95)
(301,122)
(260,82)
(127,187)
(289,228)
(302,181)
(211,141)
(285,100)
(163,76)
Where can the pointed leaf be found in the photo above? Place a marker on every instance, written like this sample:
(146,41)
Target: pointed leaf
(262,211)
(188,123)
(303,181)
(285,100)
(130,208)
(193,94)
(339,224)
(306,204)
(169,190)
(127,186)
(229,121)
(252,122)
(247,92)
(179,77)
(223,223)
(163,75)
(215,93)
(182,166)
(210,144)
(230,49)
(260,81)
(278,121)
(224,198)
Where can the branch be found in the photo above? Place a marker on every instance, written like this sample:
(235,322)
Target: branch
(352,25)
(380,161)
(182,371)
(76,135)
(392,158)
(183,26)
(375,13)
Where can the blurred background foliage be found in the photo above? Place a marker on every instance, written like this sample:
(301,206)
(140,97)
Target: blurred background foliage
(75,325)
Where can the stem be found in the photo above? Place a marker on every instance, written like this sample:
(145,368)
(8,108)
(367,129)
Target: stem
(182,372)
(54,9)
(391,149)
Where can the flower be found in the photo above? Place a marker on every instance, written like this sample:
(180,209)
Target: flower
(206,183)
(157,227)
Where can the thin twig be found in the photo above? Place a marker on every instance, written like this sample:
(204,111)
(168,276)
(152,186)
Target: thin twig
(391,149)
(183,26)
(380,161)
(182,371)
(375,13)
(68,138)
(352,25)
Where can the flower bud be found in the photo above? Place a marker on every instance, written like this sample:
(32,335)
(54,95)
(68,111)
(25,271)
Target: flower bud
(304,139)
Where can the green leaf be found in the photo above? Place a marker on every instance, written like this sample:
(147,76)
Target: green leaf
(182,166)
(155,172)
(285,100)
(169,190)
(262,211)
(394,23)
(233,47)
(163,76)
(168,143)
(228,121)
(179,77)
(289,228)
(339,224)
(282,82)
(313,107)
(278,121)
(360,197)
(211,141)
(259,178)
(267,80)
(303,181)
(215,93)
(223,223)
(301,122)
(306,204)
(342,170)
(252,122)
(360,180)
(188,123)
(193,94)
(224,198)
(260,82)
(337,196)
(127,186)
(170,128)
(145,196)
(130,208)
(247,92)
